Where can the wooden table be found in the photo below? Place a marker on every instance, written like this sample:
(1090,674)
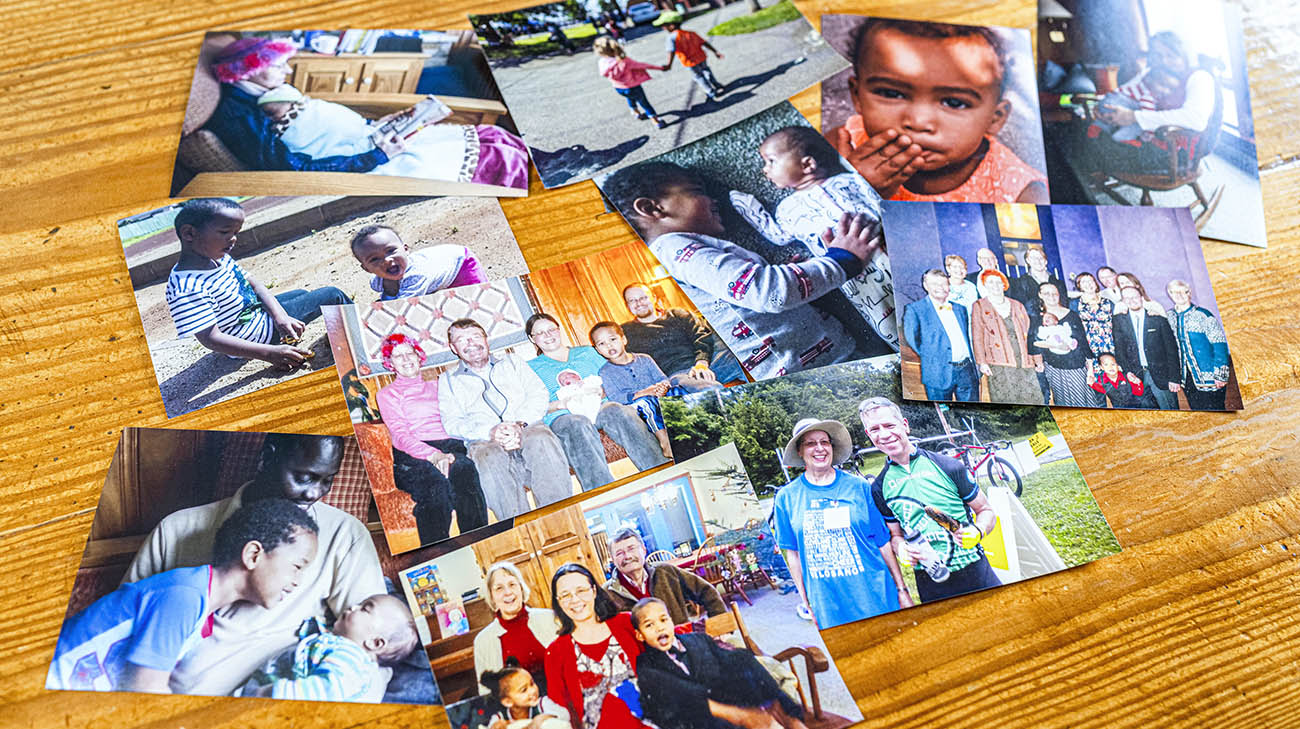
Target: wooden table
(1196,621)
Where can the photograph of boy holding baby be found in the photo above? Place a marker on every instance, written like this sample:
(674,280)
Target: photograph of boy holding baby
(229,288)
(284,112)
(936,111)
(673,76)
(772,236)
(1057,312)
(1147,102)
(239,564)
(469,400)
(660,602)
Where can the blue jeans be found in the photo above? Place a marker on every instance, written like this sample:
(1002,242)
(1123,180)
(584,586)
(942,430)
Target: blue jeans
(636,96)
(965,387)
(725,367)
(305,305)
(586,454)
(704,77)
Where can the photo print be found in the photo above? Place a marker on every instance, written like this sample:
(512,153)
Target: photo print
(229,289)
(678,569)
(306,112)
(481,403)
(647,81)
(773,237)
(1065,305)
(936,111)
(879,504)
(239,564)
(1147,102)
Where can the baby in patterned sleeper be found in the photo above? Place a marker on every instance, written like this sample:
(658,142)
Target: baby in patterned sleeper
(762,310)
(346,663)
(796,158)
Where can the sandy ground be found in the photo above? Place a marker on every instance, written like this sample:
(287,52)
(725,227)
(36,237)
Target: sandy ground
(192,377)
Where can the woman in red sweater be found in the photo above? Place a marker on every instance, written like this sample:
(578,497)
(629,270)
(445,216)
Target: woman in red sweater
(590,667)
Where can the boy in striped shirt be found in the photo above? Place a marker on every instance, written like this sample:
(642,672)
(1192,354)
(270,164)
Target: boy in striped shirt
(212,298)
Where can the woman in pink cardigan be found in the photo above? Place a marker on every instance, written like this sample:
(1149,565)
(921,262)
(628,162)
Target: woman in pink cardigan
(627,76)
(999,331)
(428,464)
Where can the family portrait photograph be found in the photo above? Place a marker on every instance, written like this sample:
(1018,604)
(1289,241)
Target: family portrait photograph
(879,504)
(1064,305)
(308,112)
(936,111)
(484,402)
(659,603)
(1147,102)
(776,240)
(648,78)
(240,564)
(230,290)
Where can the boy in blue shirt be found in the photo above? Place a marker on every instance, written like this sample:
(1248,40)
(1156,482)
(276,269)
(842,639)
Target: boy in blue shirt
(131,638)
(632,379)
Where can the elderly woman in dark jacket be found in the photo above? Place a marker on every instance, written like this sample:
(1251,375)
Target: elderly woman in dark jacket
(248,68)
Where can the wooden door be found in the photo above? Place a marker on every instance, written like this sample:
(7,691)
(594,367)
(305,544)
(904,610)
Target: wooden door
(391,74)
(516,547)
(324,74)
(563,537)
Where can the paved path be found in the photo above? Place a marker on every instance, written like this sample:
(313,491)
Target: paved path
(577,125)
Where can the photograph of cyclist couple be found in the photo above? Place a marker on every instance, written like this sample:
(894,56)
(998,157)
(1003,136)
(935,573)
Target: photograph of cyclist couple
(879,504)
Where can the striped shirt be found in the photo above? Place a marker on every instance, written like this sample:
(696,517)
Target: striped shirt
(221,296)
(328,667)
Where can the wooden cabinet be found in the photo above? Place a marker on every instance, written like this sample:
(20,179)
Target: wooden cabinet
(539,547)
(377,73)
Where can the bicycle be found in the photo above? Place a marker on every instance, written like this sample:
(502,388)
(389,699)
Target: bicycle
(999,470)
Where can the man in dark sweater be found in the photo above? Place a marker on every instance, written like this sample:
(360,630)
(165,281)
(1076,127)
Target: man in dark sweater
(634,580)
(679,343)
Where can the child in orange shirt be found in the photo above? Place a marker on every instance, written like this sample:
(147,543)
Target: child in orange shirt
(688,48)
(930,102)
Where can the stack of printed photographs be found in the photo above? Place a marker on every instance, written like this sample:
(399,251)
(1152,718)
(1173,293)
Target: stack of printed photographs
(632,488)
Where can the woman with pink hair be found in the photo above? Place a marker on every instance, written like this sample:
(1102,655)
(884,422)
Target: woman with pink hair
(999,336)
(269,125)
(430,465)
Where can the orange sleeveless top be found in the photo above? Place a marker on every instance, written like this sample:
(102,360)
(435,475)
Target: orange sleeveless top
(689,48)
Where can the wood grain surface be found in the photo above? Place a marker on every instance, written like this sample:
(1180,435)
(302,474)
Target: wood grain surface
(1194,623)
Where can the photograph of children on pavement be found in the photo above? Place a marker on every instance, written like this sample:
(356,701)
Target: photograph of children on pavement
(415,109)
(1068,305)
(935,111)
(229,289)
(1146,102)
(659,603)
(646,80)
(879,504)
(239,564)
(773,237)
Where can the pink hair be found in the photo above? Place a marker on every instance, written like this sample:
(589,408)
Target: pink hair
(394,340)
(247,56)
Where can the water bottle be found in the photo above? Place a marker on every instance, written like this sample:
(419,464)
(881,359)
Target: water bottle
(930,561)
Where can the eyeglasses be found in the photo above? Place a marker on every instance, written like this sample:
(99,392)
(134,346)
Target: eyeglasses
(577,594)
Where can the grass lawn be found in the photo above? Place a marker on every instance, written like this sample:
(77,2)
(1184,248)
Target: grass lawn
(575,32)
(1062,505)
(782,12)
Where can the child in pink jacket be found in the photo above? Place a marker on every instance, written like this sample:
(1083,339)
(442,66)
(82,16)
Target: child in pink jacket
(627,76)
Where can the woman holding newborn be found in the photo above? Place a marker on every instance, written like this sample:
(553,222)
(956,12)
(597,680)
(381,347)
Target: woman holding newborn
(294,132)
(428,464)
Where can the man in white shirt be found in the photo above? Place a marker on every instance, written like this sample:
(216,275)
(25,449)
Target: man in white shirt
(938,331)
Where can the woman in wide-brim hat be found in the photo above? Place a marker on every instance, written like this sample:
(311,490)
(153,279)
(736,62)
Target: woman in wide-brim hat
(829,528)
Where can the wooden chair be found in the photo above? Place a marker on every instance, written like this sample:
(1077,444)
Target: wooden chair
(659,556)
(712,564)
(1187,150)
(812,658)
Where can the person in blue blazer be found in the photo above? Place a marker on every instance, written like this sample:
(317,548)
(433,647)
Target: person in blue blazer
(939,331)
